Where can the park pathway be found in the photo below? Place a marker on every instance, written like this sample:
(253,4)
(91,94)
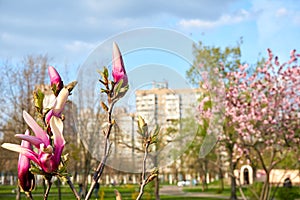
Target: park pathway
(174,190)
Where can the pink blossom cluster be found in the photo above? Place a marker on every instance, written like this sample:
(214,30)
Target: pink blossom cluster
(260,107)
(264,106)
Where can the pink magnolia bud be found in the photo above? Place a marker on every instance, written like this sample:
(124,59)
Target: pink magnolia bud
(118,71)
(25,177)
(55,80)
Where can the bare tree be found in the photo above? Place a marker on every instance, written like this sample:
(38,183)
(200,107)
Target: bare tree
(17,85)
(88,118)
(18,82)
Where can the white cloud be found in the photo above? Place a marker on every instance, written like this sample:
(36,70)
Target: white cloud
(289,15)
(68,28)
(5,37)
(274,19)
(281,12)
(225,19)
(296,19)
(276,26)
(79,46)
(196,23)
(141,9)
(95,20)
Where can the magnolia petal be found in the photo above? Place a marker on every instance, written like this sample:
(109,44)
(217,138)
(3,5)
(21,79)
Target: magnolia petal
(117,58)
(61,101)
(38,131)
(48,116)
(26,182)
(22,150)
(49,102)
(118,71)
(56,126)
(25,143)
(25,177)
(29,139)
(45,160)
(24,162)
(53,103)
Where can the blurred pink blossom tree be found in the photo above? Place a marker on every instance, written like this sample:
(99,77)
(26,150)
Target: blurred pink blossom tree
(264,109)
(261,115)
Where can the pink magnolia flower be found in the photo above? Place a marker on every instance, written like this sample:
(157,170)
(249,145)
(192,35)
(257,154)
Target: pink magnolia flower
(55,80)
(118,71)
(25,177)
(47,157)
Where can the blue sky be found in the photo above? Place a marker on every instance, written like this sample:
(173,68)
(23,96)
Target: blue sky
(68,31)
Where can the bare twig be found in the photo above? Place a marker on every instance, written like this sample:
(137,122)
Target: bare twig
(240,188)
(144,180)
(114,93)
(49,184)
(73,188)
(101,165)
(130,146)
(29,195)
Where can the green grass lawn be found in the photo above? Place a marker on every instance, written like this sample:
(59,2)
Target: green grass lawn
(128,192)
(225,192)
(131,191)
(281,192)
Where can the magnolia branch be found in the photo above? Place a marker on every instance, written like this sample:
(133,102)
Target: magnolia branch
(49,184)
(101,165)
(29,195)
(144,180)
(130,146)
(73,188)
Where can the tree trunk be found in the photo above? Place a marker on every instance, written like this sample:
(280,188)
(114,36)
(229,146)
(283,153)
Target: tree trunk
(87,166)
(75,173)
(156,180)
(221,180)
(265,192)
(220,173)
(233,188)
(233,195)
(59,189)
(205,170)
(18,195)
(203,182)
(157,189)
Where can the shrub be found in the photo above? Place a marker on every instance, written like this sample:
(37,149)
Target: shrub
(284,193)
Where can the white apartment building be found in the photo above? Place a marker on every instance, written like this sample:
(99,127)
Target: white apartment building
(166,108)
(161,105)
